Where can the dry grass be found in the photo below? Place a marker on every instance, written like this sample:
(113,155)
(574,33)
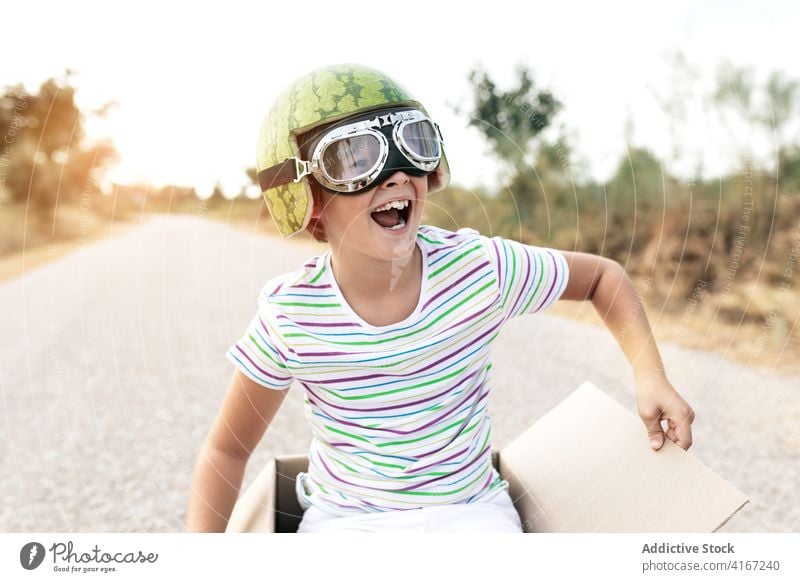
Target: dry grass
(28,240)
(713,325)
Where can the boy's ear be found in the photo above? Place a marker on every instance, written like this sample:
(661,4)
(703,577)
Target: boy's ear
(316,200)
(316,210)
(315,226)
(317,229)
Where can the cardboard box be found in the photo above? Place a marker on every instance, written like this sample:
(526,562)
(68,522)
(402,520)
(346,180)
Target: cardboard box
(602,477)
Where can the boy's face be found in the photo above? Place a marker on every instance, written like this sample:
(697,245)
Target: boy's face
(352,225)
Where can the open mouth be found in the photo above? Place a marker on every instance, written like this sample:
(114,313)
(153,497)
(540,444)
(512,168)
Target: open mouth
(392,215)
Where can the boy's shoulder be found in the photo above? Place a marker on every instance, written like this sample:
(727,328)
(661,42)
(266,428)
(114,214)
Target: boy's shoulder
(305,280)
(441,243)
(437,237)
(498,249)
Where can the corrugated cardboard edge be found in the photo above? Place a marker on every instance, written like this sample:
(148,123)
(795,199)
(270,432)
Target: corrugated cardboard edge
(735,511)
(524,473)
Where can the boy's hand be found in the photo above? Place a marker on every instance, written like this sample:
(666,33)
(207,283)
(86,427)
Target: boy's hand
(657,400)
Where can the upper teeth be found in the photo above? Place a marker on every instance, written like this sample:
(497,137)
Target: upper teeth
(399,204)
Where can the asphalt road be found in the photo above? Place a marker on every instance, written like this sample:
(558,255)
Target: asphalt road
(112,370)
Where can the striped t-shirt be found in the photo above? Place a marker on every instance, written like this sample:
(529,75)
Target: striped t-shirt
(398,412)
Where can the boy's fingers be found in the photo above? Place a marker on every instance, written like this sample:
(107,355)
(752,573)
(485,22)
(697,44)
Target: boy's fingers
(655,433)
(671,434)
(681,432)
(656,439)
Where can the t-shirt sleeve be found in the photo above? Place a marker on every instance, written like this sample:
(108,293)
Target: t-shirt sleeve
(530,278)
(257,356)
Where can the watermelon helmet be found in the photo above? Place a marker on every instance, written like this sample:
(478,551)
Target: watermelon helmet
(327,96)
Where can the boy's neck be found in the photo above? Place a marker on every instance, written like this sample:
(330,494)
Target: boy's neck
(364,277)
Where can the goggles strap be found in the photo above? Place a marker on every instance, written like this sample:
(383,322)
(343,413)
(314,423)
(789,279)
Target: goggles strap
(289,170)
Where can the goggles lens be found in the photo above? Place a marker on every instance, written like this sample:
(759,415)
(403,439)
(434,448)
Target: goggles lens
(421,139)
(351,158)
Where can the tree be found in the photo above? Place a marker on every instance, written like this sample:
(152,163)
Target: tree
(217,196)
(252,175)
(771,116)
(636,198)
(44,150)
(675,99)
(511,119)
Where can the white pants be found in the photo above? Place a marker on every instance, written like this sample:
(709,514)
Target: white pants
(494,515)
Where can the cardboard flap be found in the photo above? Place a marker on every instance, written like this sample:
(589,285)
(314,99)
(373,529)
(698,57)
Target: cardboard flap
(586,466)
(254,511)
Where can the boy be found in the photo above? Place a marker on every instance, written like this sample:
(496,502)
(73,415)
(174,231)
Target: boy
(389,332)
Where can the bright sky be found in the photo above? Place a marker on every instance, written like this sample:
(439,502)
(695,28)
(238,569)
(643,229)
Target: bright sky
(194,82)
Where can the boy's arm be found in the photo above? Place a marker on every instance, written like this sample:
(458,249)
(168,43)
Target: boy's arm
(605,283)
(247,411)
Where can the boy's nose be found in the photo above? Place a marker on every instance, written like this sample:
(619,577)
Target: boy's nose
(397,179)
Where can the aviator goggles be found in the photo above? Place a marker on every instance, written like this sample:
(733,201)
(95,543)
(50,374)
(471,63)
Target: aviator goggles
(355,156)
